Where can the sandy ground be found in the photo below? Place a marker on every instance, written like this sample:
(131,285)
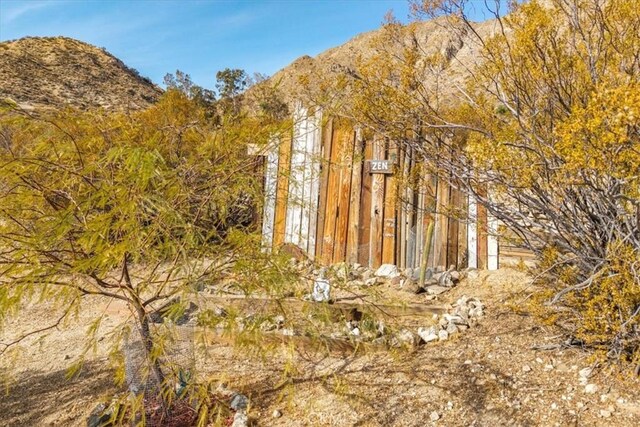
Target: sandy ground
(487,376)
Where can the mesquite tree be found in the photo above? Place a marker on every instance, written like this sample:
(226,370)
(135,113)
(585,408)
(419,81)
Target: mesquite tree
(135,207)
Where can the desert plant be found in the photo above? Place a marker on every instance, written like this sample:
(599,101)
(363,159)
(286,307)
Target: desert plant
(543,132)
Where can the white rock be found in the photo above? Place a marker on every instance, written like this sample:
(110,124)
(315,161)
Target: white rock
(321,290)
(355,332)
(590,388)
(276,413)
(604,413)
(428,334)
(526,368)
(443,335)
(452,328)
(240,419)
(585,373)
(435,416)
(387,270)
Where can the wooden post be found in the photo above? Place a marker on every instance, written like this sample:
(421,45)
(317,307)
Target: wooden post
(354,199)
(282,190)
(377,207)
(327,136)
(390,212)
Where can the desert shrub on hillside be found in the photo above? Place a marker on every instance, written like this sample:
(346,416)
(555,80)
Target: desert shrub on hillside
(544,130)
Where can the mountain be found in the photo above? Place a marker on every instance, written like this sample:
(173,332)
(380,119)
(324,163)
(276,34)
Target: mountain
(54,72)
(461,49)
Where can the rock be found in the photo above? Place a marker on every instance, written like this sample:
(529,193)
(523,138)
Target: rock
(454,318)
(444,279)
(605,413)
(387,271)
(321,290)
(356,266)
(590,388)
(436,289)
(476,312)
(372,281)
(395,281)
(276,413)
(473,274)
(403,338)
(366,275)
(288,332)
(411,286)
(408,272)
(355,332)
(341,271)
(428,274)
(435,416)
(455,276)
(452,328)
(526,368)
(428,334)
(99,416)
(239,402)
(443,335)
(240,419)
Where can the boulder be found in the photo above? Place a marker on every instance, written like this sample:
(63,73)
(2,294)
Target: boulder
(428,334)
(388,271)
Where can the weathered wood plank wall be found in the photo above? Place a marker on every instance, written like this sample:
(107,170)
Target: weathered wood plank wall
(326,202)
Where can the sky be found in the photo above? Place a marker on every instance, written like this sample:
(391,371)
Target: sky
(200,37)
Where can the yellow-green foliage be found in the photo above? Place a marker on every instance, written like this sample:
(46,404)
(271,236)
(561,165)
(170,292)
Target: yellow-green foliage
(548,120)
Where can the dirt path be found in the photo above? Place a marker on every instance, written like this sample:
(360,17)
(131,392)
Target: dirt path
(486,376)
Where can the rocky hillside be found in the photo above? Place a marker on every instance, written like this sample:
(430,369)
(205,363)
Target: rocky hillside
(460,48)
(53,72)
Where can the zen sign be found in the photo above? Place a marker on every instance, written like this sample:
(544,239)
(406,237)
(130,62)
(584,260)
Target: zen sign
(379,166)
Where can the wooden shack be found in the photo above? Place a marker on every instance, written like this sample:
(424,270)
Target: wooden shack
(343,197)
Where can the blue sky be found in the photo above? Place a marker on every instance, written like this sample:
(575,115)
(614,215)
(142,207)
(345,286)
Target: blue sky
(199,37)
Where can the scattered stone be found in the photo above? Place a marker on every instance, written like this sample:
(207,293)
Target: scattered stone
(387,271)
(526,368)
(240,419)
(411,286)
(428,334)
(355,332)
(408,272)
(590,388)
(452,329)
(372,281)
(443,335)
(239,402)
(321,288)
(446,280)
(436,289)
(605,413)
(435,416)
(395,281)
(403,338)
(276,413)
(288,332)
